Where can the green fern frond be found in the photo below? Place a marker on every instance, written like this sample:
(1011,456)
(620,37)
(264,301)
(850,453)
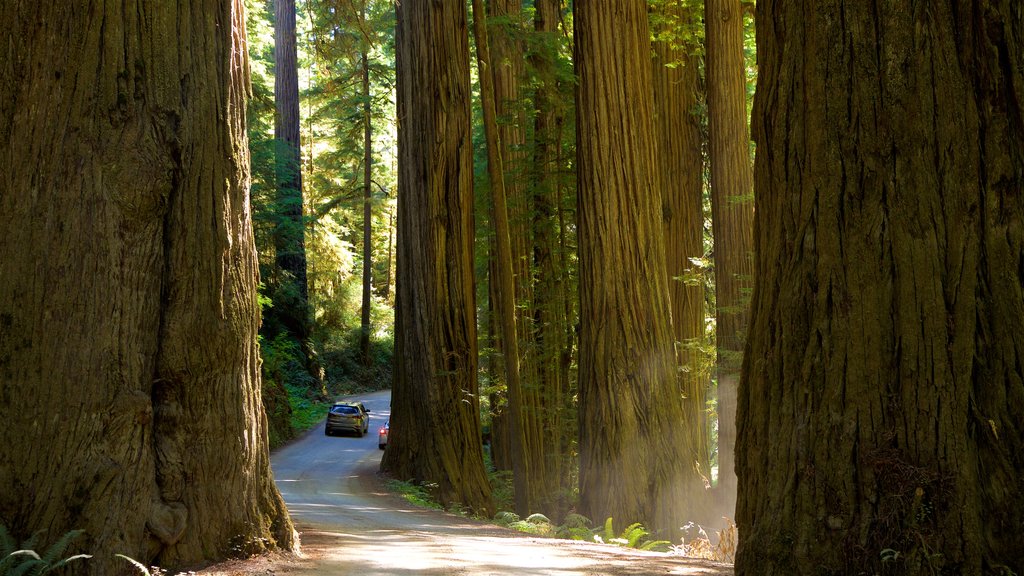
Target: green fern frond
(656,545)
(65,561)
(54,552)
(32,565)
(633,533)
(139,565)
(7,542)
(609,531)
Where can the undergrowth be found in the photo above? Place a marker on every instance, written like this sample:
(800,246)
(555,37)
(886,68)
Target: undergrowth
(23,560)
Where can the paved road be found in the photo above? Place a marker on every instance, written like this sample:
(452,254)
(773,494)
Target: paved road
(348,525)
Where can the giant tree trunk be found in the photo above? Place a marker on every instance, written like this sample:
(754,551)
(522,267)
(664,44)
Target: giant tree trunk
(435,419)
(631,462)
(680,159)
(732,208)
(882,403)
(129,369)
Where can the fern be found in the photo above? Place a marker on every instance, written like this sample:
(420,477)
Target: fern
(27,562)
(138,565)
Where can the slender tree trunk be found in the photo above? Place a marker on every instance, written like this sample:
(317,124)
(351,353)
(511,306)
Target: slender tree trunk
(129,370)
(549,322)
(882,404)
(291,296)
(680,159)
(435,419)
(364,333)
(732,208)
(631,462)
(505,288)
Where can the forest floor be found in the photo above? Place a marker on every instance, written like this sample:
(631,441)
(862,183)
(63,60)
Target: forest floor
(349,523)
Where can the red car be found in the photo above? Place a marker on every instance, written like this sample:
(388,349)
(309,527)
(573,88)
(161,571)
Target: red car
(382,437)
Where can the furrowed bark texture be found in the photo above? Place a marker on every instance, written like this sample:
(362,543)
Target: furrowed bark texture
(631,466)
(129,370)
(732,208)
(435,418)
(680,160)
(883,394)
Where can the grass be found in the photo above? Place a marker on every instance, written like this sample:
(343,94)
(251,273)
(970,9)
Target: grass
(414,493)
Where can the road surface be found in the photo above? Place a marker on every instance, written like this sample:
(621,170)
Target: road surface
(349,525)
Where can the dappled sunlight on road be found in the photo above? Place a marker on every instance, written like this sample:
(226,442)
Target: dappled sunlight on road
(349,525)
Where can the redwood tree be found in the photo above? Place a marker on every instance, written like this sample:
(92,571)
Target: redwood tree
(680,159)
(129,370)
(732,209)
(435,421)
(882,400)
(631,459)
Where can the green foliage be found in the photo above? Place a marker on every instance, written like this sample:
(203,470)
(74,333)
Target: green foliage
(416,494)
(305,412)
(634,536)
(24,561)
(346,373)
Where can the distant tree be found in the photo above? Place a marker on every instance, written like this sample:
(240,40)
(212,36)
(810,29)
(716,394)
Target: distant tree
(435,421)
(364,317)
(881,426)
(129,371)
(631,462)
(732,208)
(290,312)
(550,336)
(502,279)
(681,161)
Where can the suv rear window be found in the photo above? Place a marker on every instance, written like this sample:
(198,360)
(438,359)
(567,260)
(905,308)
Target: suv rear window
(347,410)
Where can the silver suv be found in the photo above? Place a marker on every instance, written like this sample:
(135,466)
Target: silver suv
(347,417)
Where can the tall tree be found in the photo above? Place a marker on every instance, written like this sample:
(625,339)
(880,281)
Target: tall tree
(504,283)
(291,308)
(882,398)
(129,370)
(680,159)
(364,322)
(631,464)
(732,211)
(435,418)
(550,295)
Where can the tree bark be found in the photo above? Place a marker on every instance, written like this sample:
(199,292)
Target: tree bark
(435,421)
(129,370)
(882,401)
(680,158)
(631,465)
(732,207)
(364,326)
(505,291)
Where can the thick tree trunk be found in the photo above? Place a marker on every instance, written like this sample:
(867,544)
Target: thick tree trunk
(680,158)
(631,463)
(503,280)
(129,370)
(882,401)
(732,207)
(435,418)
